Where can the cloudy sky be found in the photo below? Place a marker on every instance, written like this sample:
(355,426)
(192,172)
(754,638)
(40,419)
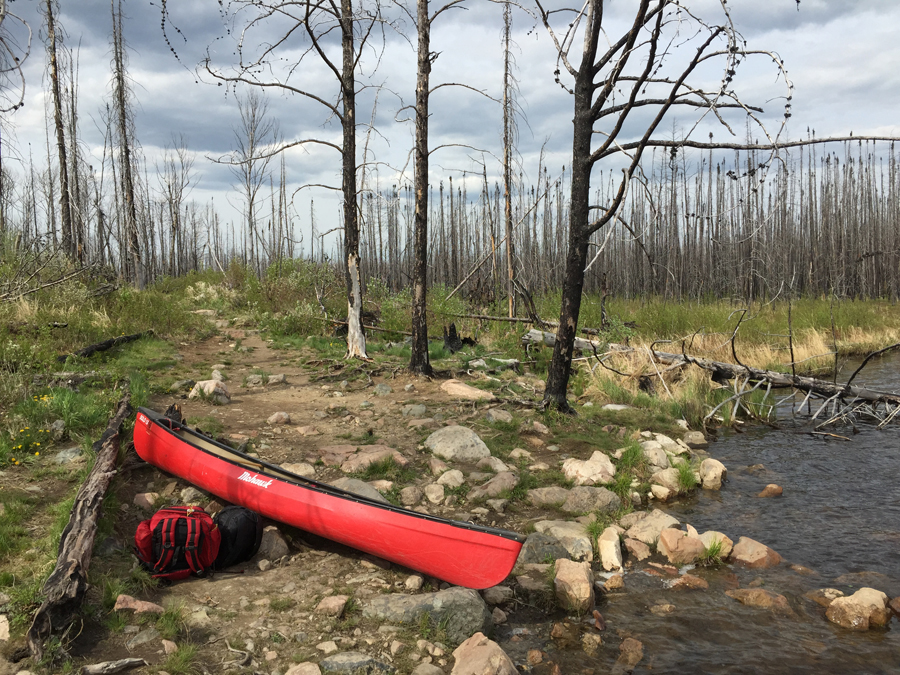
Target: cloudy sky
(841,55)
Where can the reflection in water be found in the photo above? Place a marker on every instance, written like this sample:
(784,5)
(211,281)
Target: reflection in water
(839,517)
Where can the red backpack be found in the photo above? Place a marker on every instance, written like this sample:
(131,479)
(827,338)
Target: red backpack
(176,542)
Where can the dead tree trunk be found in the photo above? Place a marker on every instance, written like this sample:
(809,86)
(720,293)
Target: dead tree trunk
(65,587)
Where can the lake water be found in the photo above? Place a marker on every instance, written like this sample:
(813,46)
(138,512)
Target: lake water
(839,517)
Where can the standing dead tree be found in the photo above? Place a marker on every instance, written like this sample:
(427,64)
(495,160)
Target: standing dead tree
(311,32)
(652,66)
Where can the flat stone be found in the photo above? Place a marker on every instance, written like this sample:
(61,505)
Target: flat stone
(548,496)
(360,488)
(648,528)
(679,547)
(462,609)
(760,597)
(638,549)
(279,418)
(572,536)
(332,605)
(502,482)
(750,553)
(539,547)
(457,443)
(689,582)
(498,415)
(458,389)
(585,499)
(145,636)
(124,602)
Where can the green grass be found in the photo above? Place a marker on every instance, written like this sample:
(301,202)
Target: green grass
(281,604)
(387,469)
(687,480)
(170,623)
(712,554)
(183,661)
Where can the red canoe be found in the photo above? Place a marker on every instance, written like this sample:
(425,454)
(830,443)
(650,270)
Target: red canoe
(458,553)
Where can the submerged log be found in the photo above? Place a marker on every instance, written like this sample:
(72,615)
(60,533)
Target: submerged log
(65,588)
(730,371)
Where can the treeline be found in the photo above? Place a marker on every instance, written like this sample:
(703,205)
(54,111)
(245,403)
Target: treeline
(818,224)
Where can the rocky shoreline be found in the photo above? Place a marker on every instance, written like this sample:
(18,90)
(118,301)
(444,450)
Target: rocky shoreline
(304,606)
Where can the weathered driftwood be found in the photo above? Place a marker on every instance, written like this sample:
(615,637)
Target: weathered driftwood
(731,371)
(65,587)
(109,667)
(105,345)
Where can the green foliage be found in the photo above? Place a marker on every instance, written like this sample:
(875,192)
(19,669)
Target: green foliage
(183,661)
(13,535)
(281,604)
(170,623)
(387,469)
(687,479)
(712,554)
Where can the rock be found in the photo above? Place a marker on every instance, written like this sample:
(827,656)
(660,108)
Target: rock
(824,596)
(539,547)
(463,610)
(367,455)
(434,493)
(382,389)
(520,453)
(498,415)
(498,616)
(57,430)
(213,390)
(456,443)
(145,636)
(427,669)
(410,496)
(480,656)
(615,407)
(360,488)
(771,490)
(668,478)
(648,528)
(695,440)
(540,428)
(679,547)
(574,586)
(894,604)
(146,500)
(631,652)
(712,473)
(273,546)
(452,479)
(585,499)
(68,455)
(689,582)
(598,470)
(760,597)
(548,496)
(614,583)
(662,609)
(277,379)
(308,430)
(332,605)
(752,554)
(169,647)
(638,549)
(497,595)
(436,466)
(660,493)
(503,481)
(498,505)
(217,375)
(867,608)
(307,668)
(301,469)
(610,549)
(458,389)
(572,536)
(414,411)
(495,464)
(191,496)
(655,455)
(279,418)
(124,602)
(591,642)
(414,582)
(354,663)
(4,628)
(327,647)
(711,536)
(668,445)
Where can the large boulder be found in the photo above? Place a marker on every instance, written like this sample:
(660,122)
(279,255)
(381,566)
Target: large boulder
(574,586)
(456,443)
(864,609)
(539,547)
(655,455)
(463,610)
(668,478)
(572,536)
(750,553)
(480,656)
(585,499)
(647,528)
(712,473)
(598,470)
(679,547)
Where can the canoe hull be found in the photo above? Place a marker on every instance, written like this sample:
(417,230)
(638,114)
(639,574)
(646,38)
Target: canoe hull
(458,553)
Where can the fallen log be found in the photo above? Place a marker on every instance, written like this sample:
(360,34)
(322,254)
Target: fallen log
(65,588)
(105,345)
(731,371)
(110,667)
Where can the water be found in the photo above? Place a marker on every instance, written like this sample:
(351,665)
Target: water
(839,517)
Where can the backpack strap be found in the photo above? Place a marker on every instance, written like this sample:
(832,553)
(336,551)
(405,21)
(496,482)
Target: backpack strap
(167,542)
(191,546)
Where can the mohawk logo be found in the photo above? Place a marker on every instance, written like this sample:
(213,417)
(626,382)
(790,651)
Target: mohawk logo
(254,479)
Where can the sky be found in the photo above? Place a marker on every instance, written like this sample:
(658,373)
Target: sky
(842,57)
